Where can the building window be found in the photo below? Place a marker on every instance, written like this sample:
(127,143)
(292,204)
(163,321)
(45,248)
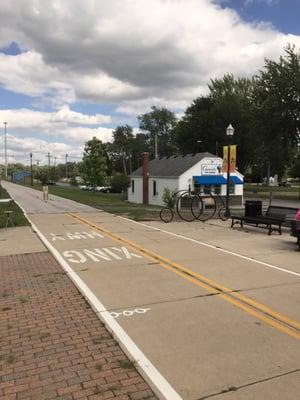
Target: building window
(154,188)
(207,189)
(218,189)
(132,186)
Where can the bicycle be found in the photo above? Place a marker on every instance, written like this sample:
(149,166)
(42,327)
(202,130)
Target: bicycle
(184,205)
(166,214)
(223,215)
(203,207)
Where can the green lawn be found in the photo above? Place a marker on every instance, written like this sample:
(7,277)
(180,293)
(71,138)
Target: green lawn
(291,193)
(110,202)
(18,217)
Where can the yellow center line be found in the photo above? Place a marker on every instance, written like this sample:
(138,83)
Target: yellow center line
(256,309)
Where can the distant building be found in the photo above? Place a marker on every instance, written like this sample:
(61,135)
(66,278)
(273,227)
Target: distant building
(200,172)
(21,176)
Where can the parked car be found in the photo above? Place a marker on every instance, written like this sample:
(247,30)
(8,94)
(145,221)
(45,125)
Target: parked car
(284,184)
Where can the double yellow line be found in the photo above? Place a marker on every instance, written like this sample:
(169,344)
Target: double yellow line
(252,307)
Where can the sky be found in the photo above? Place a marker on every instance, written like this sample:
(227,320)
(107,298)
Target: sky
(71,70)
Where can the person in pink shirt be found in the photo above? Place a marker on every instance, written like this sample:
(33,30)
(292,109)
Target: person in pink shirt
(297,228)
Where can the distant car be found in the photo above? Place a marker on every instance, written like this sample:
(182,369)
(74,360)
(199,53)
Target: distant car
(49,183)
(284,184)
(82,187)
(98,188)
(105,189)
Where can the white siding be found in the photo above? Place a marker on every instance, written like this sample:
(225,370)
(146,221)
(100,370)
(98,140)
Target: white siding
(137,196)
(161,183)
(178,183)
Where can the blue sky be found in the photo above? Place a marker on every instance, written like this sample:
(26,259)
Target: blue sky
(283,14)
(70,71)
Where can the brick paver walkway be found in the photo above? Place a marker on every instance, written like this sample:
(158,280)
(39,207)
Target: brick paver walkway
(52,345)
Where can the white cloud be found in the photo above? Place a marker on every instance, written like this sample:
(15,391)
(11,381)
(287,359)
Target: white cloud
(19,149)
(129,50)
(60,132)
(129,53)
(27,118)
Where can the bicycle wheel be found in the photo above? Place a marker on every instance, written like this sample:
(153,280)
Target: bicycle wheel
(183,207)
(197,206)
(166,214)
(206,205)
(223,215)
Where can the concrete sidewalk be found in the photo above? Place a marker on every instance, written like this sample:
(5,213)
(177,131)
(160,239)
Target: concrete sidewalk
(52,345)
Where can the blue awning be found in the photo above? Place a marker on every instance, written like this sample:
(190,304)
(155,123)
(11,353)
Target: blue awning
(216,180)
(236,180)
(210,180)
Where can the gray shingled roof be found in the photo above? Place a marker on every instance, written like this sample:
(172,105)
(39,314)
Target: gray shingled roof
(172,166)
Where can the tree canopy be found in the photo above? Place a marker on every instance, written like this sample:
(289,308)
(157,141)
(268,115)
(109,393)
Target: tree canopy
(94,163)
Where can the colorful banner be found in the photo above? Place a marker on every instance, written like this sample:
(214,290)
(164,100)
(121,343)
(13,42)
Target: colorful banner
(232,158)
(225,159)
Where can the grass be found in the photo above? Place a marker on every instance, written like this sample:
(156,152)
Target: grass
(114,203)
(17,216)
(278,192)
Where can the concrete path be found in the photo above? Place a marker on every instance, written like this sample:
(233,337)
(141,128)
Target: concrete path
(32,200)
(215,323)
(52,345)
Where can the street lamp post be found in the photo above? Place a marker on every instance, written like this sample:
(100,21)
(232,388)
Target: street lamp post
(229,133)
(5,151)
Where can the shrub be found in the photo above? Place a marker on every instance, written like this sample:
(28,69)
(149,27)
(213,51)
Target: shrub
(169,197)
(119,182)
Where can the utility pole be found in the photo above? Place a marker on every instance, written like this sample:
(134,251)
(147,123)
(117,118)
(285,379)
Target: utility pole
(155,139)
(37,166)
(66,166)
(55,161)
(49,156)
(5,151)
(31,171)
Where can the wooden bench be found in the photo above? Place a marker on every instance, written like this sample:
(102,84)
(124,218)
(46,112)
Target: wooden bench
(273,219)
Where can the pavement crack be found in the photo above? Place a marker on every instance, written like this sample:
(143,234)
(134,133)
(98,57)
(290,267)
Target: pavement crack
(236,388)
(162,302)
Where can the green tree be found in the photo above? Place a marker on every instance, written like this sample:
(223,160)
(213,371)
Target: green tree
(119,182)
(203,126)
(123,137)
(94,163)
(194,132)
(160,122)
(295,167)
(139,144)
(232,103)
(277,109)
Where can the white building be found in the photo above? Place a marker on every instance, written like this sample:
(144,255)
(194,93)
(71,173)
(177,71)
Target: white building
(201,172)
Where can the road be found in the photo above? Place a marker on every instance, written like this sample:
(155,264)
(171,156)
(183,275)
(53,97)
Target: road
(215,310)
